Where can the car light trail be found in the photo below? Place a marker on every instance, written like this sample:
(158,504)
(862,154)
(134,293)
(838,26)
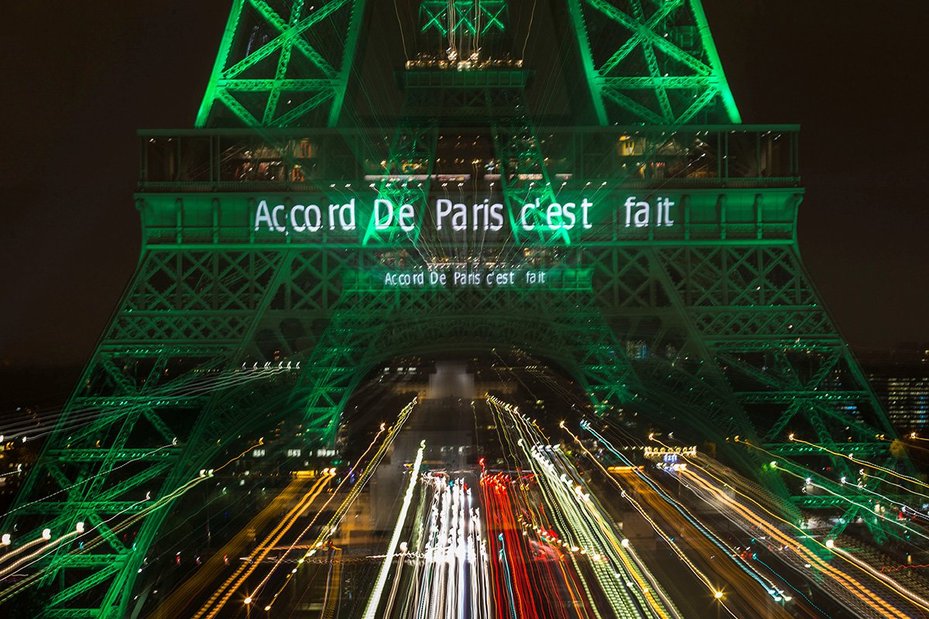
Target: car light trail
(21,549)
(224,592)
(702,577)
(758,519)
(193,385)
(451,573)
(131,520)
(513,595)
(909,491)
(35,555)
(375,599)
(913,597)
(328,530)
(770,588)
(589,536)
(807,475)
(876,512)
(858,461)
(600,540)
(91,478)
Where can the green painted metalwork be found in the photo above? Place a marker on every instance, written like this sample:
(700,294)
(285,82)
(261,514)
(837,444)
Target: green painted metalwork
(280,62)
(659,65)
(708,324)
(474,18)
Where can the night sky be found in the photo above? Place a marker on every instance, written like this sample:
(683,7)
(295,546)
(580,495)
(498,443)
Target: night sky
(80,78)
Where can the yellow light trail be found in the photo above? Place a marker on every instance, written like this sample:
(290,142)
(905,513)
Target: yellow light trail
(19,550)
(860,505)
(339,513)
(913,597)
(620,547)
(830,547)
(852,585)
(597,539)
(33,556)
(635,504)
(838,495)
(852,458)
(226,590)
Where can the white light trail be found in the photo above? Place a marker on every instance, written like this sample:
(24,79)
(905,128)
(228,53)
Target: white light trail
(628,588)
(375,599)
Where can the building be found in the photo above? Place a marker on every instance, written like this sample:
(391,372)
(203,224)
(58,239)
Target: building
(904,391)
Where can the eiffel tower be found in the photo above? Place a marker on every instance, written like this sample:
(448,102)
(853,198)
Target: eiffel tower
(566,178)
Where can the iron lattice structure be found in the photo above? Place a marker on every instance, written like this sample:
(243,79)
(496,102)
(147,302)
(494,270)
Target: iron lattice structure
(709,325)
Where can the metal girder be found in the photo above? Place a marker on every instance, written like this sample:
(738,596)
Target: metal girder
(102,477)
(73,613)
(103,507)
(866,450)
(789,396)
(640,83)
(764,309)
(519,156)
(88,560)
(476,18)
(270,36)
(148,401)
(276,84)
(411,148)
(828,501)
(660,65)
(94,455)
(95,578)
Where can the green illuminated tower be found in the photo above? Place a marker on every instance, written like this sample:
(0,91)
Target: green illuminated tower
(277,232)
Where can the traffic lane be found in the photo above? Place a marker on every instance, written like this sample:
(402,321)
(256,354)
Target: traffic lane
(741,590)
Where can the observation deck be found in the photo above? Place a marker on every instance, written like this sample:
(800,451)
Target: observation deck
(311,160)
(727,183)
